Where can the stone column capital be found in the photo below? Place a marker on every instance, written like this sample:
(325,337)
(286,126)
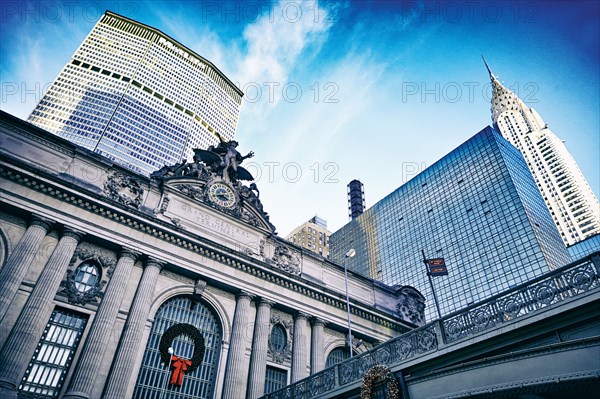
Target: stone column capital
(153,262)
(129,253)
(262,301)
(37,220)
(301,316)
(315,321)
(73,233)
(243,294)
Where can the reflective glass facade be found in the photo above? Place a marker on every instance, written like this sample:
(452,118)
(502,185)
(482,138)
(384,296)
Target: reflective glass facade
(135,95)
(584,248)
(478,207)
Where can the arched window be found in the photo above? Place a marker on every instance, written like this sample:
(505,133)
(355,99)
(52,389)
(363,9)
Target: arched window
(336,356)
(198,384)
(278,339)
(87,276)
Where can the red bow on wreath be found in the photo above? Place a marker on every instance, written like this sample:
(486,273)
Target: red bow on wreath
(180,366)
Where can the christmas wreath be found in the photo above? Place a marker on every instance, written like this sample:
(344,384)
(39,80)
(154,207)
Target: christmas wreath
(377,373)
(182,329)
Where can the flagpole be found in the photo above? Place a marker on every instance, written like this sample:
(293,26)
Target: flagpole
(437,305)
(162,394)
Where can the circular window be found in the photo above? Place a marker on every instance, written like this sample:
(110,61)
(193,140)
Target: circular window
(278,338)
(86,277)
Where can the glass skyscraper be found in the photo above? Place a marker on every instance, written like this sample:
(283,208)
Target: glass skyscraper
(478,208)
(133,94)
(568,196)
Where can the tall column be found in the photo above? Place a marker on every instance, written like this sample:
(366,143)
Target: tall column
(236,375)
(299,353)
(17,264)
(120,374)
(260,340)
(317,348)
(90,361)
(26,332)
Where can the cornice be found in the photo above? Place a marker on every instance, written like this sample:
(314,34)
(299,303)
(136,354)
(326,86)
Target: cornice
(145,223)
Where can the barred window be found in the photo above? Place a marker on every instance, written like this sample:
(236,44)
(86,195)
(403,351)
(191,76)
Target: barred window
(278,338)
(46,371)
(275,379)
(153,378)
(336,356)
(86,276)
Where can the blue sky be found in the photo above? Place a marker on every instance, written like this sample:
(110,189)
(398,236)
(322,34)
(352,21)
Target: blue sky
(339,90)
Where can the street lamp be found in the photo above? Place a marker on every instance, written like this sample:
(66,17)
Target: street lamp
(162,394)
(349,254)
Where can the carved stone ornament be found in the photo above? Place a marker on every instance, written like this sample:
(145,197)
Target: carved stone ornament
(411,305)
(163,205)
(96,257)
(199,287)
(124,189)
(284,355)
(286,260)
(215,178)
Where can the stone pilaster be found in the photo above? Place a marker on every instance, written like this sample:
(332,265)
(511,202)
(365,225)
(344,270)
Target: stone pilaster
(88,367)
(236,373)
(317,348)
(26,333)
(260,341)
(299,352)
(120,374)
(17,264)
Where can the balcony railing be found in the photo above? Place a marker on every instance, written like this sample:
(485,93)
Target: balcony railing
(559,285)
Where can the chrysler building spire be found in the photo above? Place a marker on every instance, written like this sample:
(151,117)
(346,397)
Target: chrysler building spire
(569,198)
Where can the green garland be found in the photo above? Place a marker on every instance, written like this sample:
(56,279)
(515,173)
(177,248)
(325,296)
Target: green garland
(377,373)
(182,329)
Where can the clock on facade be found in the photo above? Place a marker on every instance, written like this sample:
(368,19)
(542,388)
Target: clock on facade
(222,195)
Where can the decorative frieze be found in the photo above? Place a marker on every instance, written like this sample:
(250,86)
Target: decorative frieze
(195,244)
(124,189)
(285,259)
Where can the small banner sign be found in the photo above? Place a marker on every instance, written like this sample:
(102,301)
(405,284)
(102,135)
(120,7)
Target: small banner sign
(437,267)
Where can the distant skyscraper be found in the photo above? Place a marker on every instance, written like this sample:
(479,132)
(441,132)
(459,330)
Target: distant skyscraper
(478,207)
(356,199)
(135,95)
(312,235)
(569,198)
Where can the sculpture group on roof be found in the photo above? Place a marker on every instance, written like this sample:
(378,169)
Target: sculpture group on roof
(222,162)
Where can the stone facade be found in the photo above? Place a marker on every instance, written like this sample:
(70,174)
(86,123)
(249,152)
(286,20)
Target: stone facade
(82,236)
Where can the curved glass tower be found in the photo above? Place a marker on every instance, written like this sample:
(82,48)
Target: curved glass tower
(138,97)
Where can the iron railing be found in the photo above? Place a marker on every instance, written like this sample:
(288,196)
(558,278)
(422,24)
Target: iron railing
(556,286)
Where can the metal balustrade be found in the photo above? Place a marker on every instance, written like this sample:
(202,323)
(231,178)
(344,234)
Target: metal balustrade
(556,286)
